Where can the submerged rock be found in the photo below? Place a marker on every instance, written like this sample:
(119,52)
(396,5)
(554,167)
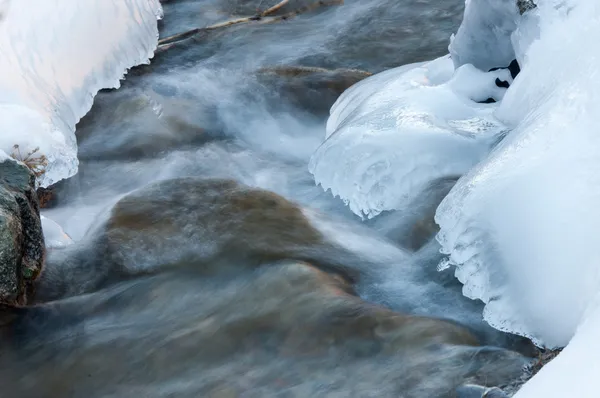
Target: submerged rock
(21,238)
(215,227)
(131,125)
(288,329)
(230,289)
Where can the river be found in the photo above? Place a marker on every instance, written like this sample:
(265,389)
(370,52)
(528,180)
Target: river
(206,261)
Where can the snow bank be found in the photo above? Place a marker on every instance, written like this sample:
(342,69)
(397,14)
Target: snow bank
(55,56)
(395,133)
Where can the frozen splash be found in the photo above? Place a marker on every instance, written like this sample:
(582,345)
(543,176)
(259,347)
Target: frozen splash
(55,55)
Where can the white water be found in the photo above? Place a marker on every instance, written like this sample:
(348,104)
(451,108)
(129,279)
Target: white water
(54,57)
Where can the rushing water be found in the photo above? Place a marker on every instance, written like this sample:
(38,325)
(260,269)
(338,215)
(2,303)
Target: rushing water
(203,287)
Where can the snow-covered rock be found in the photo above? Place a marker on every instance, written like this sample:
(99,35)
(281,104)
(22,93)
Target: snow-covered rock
(56,55)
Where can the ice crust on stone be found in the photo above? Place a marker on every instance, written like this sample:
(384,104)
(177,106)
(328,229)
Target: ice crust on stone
(55,56)
(393,134)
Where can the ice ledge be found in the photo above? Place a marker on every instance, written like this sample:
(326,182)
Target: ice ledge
(56,56)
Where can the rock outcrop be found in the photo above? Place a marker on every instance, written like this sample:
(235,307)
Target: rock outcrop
(21,238)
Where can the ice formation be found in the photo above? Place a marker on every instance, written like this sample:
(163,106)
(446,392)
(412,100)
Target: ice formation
(54,57)
(393,134)
(520,227)
(54,236)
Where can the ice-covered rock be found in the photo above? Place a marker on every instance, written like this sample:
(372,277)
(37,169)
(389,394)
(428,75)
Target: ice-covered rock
(393,134)
(521,227)
(56,55)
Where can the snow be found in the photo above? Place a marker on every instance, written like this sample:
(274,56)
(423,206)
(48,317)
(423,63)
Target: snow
(520,227)
(55,56)
(393,134)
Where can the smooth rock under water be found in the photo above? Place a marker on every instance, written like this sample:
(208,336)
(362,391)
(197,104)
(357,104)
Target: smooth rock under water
(284,328)
(205,224)
(252,290)
(21,240)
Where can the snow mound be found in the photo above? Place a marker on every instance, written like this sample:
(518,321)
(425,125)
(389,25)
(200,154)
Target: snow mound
(56,55)
(393,134)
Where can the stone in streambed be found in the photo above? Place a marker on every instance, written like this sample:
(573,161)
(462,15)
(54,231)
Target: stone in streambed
(126,126)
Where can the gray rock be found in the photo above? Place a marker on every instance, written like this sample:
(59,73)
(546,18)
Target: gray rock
(21,238)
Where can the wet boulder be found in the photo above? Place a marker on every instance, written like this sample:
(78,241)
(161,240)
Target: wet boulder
(204,221)
(21,239)
(131,125)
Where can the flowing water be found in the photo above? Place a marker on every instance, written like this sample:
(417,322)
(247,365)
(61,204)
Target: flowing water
(227,272)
